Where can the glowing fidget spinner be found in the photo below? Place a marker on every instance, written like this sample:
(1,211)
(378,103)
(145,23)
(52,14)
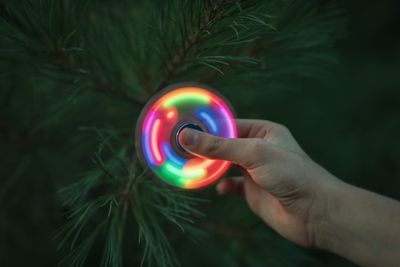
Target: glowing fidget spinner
(165,116)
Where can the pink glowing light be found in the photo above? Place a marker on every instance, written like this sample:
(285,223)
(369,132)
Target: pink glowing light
(154,141)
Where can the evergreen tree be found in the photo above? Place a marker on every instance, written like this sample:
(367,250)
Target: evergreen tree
(74,77)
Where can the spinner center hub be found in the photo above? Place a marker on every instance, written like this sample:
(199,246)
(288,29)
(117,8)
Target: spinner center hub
(183,124)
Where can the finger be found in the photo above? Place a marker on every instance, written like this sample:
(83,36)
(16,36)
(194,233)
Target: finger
(259,200)
(233,185)
(245,126)
(244,152)
(254,128)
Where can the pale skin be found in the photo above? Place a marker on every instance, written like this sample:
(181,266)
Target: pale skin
(301,200)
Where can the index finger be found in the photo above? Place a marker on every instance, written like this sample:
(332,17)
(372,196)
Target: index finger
(249,128)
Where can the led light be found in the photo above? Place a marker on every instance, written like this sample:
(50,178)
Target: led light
(170,154)
(159,125)
(189,95)
(206,117)
(171,114)
(154,142)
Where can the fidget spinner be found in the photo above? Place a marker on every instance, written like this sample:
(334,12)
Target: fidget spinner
(164,117)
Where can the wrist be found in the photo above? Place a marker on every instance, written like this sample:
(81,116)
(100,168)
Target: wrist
(330,198)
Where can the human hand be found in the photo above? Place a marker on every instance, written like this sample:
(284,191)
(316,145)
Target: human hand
(282,185)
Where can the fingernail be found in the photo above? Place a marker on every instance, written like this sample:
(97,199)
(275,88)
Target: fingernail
(188,137)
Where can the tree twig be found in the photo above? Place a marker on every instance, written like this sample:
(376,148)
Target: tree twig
(191,41)
(101,85)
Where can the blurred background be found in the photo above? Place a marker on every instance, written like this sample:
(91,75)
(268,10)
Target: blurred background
(349,122)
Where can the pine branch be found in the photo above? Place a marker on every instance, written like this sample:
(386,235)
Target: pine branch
(30,36)
(107,194)
(101,85)
(192,40)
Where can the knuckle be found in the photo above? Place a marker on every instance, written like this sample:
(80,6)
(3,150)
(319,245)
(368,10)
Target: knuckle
(257,153)
(280,128)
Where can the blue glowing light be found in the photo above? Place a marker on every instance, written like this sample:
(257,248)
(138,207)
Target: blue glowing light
(207,117)
(173,156)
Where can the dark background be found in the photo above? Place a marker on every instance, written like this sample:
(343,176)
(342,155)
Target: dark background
(348,122)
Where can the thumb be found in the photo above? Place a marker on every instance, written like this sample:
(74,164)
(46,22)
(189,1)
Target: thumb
(240,151)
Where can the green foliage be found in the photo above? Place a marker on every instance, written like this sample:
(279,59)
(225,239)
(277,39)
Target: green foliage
(103,198)
(74,76)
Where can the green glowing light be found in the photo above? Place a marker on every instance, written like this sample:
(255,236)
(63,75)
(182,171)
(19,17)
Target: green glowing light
(178,176)
(187,98)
